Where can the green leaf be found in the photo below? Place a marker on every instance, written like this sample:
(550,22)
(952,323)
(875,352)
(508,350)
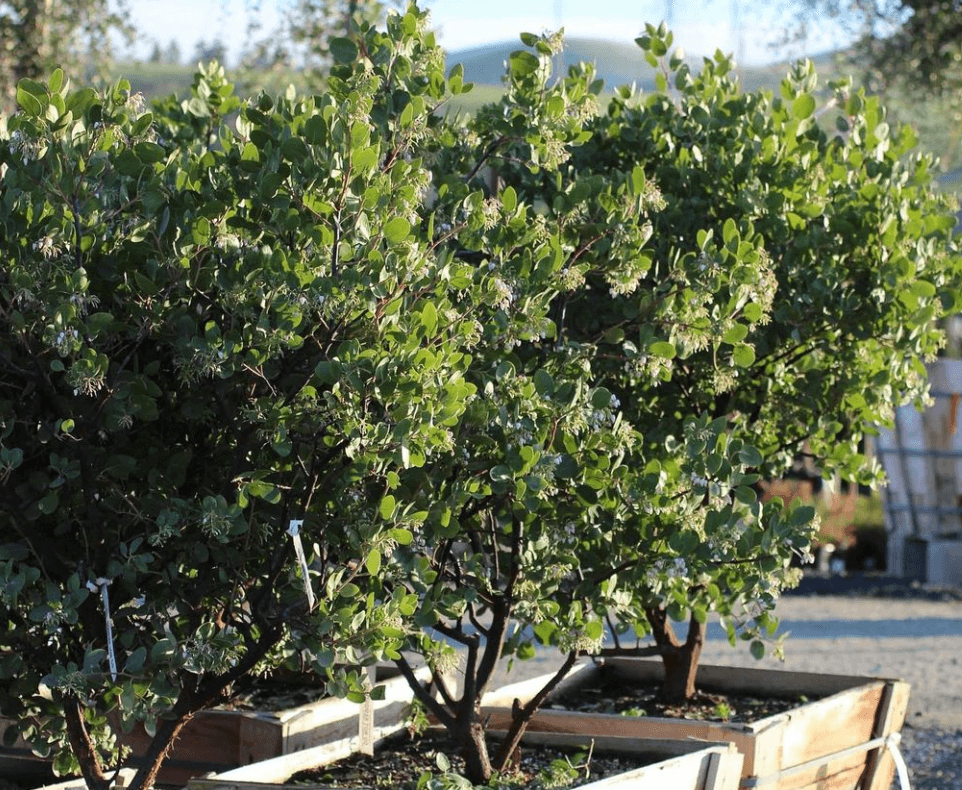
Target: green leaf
(509,199)
(55,83)
(749,456)
(343,50)
(49,503)
(387,507)
(744,355)
(662,349)
(429,318)
(758,649)
(594,629)
(29,103)
(135,661)
(397,230)
(735,335)
(373,562)
(803,106)
(543,383)
(401,536)
(349,590)
(523,64)
(601,398)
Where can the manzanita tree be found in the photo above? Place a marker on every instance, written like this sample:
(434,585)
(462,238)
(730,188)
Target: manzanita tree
(789,296)
(212,339)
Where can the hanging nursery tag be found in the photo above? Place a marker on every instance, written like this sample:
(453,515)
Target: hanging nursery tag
(365,728)
(294,530)
(103,583)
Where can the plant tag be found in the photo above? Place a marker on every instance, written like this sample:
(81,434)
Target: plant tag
(103,584)
(294,530)
(365,728)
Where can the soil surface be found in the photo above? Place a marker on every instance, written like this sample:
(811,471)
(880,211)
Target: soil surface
(402,760)
(272,694)
(611,695)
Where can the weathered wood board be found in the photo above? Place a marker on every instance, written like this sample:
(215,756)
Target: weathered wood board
(676,765)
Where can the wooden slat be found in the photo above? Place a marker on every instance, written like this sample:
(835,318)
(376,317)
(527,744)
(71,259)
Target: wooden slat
(700,767)
(880,766)
(832,724)
(655,748)
(724,771)
(524,690)
(126,776)
(277,769)
(841,773)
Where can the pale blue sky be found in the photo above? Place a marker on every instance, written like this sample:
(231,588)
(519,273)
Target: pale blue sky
(737,26)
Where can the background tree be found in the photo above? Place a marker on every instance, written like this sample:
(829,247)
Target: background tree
(37,36)
(172,53)
(916,43)
(214,50)
(301,41)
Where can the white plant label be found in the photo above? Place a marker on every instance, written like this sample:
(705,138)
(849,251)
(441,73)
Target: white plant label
(294,530)
(103,583)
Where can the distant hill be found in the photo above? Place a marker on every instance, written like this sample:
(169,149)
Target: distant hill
(617,63)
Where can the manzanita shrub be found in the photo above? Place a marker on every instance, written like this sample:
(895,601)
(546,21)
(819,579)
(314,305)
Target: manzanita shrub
(510,380)
(731,285)
(790,296)
(213,337)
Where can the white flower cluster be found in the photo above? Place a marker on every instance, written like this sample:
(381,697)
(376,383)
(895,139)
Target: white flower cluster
(604,417)
(46,247)
(66,340)
(83,302)
(28,149)
(202,656)
(675,568)
(504,294)
(85,379)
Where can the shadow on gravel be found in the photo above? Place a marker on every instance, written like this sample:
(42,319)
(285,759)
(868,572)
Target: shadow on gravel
(875,585)
(914,628)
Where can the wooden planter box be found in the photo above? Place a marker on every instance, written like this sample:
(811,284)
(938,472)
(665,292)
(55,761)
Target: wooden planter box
(217,740)
(678,765)
(838,742)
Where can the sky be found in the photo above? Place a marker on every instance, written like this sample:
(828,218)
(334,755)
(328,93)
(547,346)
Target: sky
(740,27)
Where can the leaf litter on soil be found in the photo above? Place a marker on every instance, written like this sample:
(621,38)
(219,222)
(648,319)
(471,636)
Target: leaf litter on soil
(611,694)
(401,760)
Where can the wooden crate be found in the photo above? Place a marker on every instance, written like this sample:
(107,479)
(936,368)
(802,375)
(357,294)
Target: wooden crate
(838,742)
(676,765)
(217,740)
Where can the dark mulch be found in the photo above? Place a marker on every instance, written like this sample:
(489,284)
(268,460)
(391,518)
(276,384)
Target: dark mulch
(400,762)
(609,693)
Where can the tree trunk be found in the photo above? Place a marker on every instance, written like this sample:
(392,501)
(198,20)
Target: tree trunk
(474,750)
(679,659)
(83,748)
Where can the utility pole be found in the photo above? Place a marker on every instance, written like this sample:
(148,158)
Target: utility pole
(559,59)
(736,35)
